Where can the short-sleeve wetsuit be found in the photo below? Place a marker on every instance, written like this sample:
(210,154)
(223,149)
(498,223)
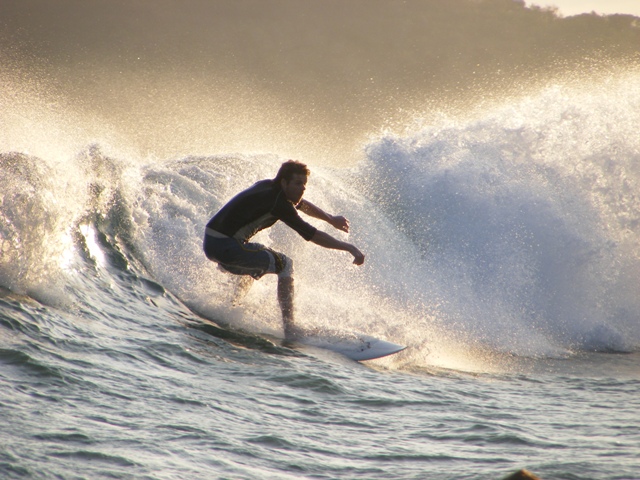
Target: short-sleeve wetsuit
(254,209)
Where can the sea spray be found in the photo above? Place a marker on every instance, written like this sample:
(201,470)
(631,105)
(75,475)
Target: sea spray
(529,217)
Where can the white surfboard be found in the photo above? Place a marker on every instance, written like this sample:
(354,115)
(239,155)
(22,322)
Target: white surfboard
(352,345)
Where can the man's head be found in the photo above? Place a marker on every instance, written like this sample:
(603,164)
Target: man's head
(292,178)
(290,168)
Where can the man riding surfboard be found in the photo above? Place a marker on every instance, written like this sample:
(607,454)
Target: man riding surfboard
(227,234)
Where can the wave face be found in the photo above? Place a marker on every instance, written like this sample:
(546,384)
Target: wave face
(490,178)
(516,232)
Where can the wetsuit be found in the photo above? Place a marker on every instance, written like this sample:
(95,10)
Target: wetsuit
(258,207)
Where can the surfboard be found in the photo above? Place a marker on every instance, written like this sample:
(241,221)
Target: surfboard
(355,346)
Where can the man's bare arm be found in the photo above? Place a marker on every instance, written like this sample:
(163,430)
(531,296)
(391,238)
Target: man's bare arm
(336,221)
(327,241)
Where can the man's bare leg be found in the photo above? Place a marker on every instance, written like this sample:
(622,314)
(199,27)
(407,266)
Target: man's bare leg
(242,288)
(285,299)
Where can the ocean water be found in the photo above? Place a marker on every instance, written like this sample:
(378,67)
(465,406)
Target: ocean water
(487,156)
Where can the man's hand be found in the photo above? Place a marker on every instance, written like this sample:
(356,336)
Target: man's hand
(340,223)
(358,256)
(327,241)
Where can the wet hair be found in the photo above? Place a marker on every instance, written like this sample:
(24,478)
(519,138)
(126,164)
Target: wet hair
(290,168)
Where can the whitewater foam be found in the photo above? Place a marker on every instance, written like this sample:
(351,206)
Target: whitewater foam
(527,217)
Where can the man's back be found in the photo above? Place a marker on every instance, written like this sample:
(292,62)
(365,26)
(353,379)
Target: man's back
(255,209)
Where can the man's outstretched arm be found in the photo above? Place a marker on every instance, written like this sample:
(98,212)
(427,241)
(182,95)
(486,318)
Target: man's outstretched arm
(327,241)
(335,221)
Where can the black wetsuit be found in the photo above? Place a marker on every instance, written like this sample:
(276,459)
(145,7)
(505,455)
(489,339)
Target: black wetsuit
(252,210)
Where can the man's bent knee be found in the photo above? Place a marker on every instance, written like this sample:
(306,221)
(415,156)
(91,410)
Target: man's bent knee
(284,266)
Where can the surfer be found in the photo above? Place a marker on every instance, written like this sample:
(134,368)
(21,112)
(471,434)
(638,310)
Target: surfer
(227,234)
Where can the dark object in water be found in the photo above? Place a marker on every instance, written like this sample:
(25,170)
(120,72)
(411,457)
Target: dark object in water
(522,475)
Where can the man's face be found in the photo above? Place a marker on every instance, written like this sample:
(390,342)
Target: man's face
(294,188)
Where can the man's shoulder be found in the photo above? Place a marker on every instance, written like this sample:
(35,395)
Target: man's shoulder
(265,194)
(260,188)
(267,183)
(263,186)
